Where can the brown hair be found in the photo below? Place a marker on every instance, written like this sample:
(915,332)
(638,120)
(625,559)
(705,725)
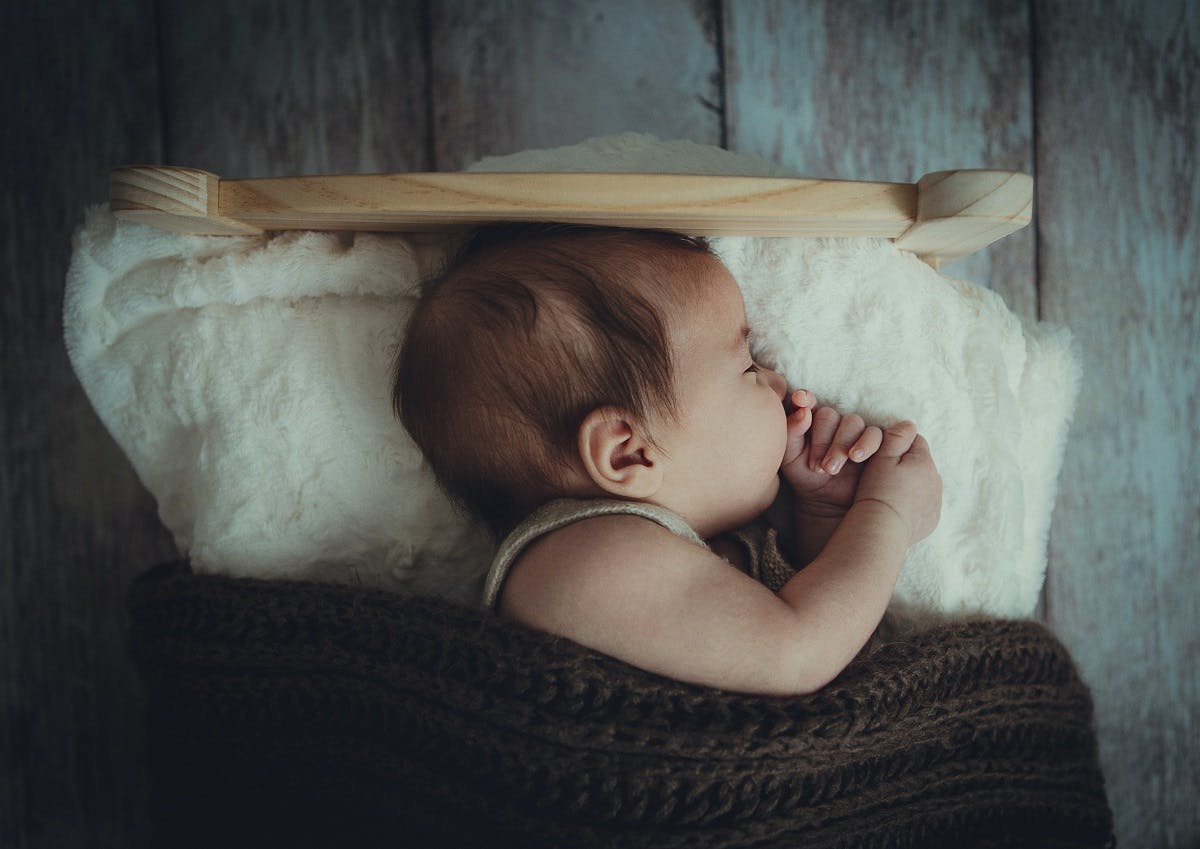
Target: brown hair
(527,330)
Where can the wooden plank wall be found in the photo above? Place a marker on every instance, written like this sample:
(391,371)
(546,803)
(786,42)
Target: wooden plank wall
(75,525)
(1098,100)
(1119,261)
(864,90)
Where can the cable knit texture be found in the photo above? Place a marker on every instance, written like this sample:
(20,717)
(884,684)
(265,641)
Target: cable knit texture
(306,714)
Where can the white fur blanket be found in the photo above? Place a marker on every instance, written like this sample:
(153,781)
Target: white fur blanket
(247,380)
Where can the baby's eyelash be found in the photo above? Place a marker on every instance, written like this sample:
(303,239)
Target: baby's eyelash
(753,368)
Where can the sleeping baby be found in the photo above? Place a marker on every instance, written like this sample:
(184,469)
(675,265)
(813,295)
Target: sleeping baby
(590,394)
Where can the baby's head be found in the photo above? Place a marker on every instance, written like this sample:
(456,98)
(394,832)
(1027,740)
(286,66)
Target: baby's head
(547,361)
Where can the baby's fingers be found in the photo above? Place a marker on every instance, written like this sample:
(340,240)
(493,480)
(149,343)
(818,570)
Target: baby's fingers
(798,424)
(802,398)
(848,430)
(824,430)
(897,439)
(854,440)
(867,444)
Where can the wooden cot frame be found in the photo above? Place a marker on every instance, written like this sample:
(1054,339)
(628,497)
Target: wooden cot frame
(943,216)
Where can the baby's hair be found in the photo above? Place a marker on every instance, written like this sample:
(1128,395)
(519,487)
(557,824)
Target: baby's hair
(528,329)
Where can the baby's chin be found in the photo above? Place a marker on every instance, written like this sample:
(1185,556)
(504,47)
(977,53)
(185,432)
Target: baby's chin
(751,510)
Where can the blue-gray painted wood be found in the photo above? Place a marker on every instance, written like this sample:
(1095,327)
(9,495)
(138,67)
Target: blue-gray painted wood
(859,90)
(1118,205)
(522,74)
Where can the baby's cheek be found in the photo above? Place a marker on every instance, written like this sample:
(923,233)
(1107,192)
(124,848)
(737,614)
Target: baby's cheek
(785,431)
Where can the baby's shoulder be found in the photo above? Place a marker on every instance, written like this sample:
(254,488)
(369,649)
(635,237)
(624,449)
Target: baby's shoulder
(594,558)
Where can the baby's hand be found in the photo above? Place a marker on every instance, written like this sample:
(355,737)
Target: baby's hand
(824,450)
(903,477)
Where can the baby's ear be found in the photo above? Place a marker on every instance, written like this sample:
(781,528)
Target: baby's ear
(617,456)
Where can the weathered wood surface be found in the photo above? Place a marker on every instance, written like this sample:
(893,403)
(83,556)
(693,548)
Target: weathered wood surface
(521,74)
(75,524)
(270,88)
(855,90)
(1119,205)
(862,90)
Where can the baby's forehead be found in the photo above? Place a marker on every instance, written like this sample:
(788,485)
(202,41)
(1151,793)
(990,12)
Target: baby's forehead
(712,316)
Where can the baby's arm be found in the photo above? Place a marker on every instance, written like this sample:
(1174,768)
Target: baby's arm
(628,588)
(851,581)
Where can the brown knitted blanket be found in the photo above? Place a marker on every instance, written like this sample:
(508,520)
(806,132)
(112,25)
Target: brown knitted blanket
(305,714)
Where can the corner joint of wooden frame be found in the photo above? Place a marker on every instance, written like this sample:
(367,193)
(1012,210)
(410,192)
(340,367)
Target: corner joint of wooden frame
(959,212)
(181,200)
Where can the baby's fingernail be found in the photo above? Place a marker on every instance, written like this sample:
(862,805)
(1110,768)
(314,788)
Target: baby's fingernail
(859,454)
(833,466)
